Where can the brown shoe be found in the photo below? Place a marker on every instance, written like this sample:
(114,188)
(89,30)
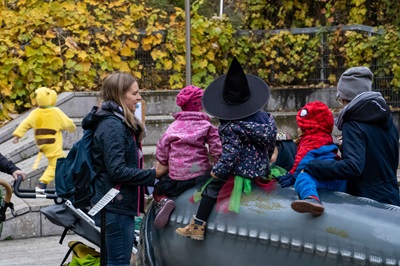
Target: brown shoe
(193,230)
(309,205)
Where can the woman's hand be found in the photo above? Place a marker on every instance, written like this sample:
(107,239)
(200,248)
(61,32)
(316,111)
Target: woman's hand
(160,169)
(17,173)
(213,175)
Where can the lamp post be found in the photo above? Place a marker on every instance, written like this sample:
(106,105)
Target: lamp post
(188,50)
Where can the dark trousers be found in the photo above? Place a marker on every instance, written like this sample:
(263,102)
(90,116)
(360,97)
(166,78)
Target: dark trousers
(120,231)
(169,188)
(209,198)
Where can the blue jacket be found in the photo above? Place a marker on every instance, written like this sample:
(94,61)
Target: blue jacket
(326,152)
(370,153)
(116,158)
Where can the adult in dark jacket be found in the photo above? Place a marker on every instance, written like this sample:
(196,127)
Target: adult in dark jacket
(118,160)
(370,147)
(10,168)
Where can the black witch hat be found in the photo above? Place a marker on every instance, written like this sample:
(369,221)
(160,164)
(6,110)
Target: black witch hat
(235,95)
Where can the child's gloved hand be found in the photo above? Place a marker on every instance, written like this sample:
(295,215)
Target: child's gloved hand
(286,180)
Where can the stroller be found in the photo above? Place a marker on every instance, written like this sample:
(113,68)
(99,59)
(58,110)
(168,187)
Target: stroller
(64,214)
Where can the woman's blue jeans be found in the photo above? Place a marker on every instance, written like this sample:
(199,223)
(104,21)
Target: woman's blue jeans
(120,237)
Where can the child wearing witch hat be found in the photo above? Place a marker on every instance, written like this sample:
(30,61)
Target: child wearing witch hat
(247,133)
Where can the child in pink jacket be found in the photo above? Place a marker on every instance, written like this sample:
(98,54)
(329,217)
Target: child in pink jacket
(189,147)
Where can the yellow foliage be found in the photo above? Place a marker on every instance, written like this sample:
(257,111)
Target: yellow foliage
(86,66)
(36,41)
(69,54)
(124,67)
(68,86)
(71,45)
(158,54)
(56,63)
(126,51)
(137,74)
(6,89)
(116,59)
(168,64)
(210,56)
(203,63)
(82,55)
(132,44)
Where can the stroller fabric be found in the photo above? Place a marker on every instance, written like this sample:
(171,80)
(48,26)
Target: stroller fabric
(82,255)
(60,214)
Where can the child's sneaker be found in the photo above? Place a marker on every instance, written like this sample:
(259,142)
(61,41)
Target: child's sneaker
(309,204)
(41,185)
(163,211)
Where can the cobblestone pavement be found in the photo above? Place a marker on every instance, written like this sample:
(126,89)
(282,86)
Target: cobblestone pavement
(38,251)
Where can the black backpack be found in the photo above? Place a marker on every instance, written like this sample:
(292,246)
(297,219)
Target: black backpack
(74,174)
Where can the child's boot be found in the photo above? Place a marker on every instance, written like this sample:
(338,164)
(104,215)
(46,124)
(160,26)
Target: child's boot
(309,204)
(195,230)
(163,211)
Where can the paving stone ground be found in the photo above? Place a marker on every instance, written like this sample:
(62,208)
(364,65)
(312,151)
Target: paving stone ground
(38,251)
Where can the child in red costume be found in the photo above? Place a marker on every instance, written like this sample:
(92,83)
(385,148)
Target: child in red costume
(315,125)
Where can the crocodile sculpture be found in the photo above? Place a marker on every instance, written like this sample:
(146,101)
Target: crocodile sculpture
(352,231)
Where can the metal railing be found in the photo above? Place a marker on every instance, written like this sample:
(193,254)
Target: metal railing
(323,69)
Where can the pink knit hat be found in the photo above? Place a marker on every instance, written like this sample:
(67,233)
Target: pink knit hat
(189,98)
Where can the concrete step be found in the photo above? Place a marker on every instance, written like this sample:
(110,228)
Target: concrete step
(29,222)
(27,148)
(73,104)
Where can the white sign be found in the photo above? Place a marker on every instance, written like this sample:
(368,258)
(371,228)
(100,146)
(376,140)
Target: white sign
(104,201)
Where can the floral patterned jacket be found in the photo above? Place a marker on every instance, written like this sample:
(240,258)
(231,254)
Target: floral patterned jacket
(247,146)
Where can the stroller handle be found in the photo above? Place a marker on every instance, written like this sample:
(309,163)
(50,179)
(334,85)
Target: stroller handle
(33,193)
